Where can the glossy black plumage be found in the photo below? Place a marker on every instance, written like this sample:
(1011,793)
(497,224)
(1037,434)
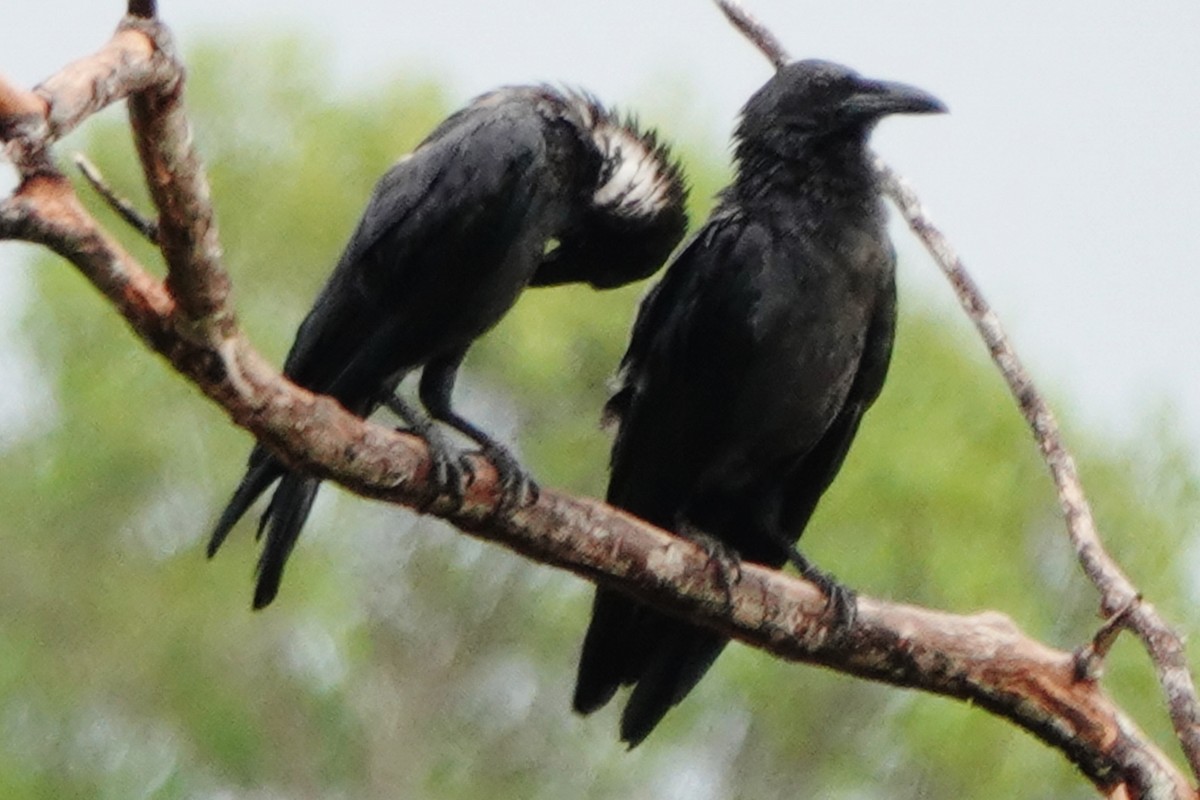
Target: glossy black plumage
(526,186)
(751,364)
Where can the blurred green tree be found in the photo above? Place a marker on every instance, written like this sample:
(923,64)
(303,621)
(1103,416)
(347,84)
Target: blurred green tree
(403,660)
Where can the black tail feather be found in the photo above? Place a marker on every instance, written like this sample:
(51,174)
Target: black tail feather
(604,664)
(627,643)
(679,660)
(281,522)
(260,474)
(283,519)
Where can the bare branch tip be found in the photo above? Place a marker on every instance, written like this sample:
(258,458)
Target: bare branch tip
(758,34)
(145,9)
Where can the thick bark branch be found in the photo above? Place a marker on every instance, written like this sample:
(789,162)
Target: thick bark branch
(984,658)
(187,229)
(124,66)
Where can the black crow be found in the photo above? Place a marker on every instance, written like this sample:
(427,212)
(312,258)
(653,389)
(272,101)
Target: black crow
(750,366)
(526,186)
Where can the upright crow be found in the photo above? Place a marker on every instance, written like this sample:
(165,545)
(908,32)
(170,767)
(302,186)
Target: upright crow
(750,366)
(526,186)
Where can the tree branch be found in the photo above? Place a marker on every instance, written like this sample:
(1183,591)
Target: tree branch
(758,34)
(120,206)
(984,659)
(143,8)
(1120,601)
(178,185)
(1119,598)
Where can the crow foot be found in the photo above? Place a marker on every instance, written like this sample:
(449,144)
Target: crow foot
(841,607)
(517,488)
(721,557)
(450,471)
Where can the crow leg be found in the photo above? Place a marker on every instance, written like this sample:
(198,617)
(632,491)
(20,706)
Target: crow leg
(842,603)
(451,471)
(437,384)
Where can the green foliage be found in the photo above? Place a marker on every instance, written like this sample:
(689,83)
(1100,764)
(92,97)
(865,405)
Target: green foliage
(404,660)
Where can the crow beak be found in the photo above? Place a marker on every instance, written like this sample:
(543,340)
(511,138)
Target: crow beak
(880,98)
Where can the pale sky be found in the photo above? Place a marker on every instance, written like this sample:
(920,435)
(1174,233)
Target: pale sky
(1066,173)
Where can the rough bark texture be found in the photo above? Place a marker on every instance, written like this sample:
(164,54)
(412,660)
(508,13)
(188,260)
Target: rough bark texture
(983,658)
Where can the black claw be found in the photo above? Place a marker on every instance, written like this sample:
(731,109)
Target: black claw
(517,489)
(721,556)
(725,558)
(842,605)
(450,471)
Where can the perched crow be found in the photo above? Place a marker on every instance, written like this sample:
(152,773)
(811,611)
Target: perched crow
(750,366)
(526,186)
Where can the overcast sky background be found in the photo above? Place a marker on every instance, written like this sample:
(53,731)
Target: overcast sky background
(1066,174)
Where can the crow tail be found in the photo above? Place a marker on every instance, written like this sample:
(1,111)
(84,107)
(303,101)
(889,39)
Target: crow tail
(628,643)
(281,522)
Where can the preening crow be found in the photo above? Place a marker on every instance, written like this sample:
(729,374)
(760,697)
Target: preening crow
(526,186)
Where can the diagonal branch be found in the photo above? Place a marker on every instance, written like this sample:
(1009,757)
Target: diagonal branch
(1119,598)
(753,29)
(125,65)
(984,659)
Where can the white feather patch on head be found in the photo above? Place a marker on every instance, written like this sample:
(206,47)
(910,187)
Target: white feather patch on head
(637,182)
(635,179)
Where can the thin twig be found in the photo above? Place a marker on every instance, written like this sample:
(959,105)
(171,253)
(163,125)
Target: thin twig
(1089,659)
(146,9)
(758,34)
(122,207)
(1117,592)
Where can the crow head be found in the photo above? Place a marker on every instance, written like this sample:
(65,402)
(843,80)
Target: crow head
(638,177)
(631,212)
(807,101)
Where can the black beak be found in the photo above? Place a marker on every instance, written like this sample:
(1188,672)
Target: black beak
(880,98)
